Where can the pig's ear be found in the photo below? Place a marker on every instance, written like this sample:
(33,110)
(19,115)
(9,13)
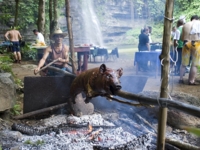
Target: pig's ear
(102,68)
(120,72)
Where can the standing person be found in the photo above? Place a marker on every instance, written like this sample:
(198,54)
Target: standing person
(144,40)
(173,33)
(179,44)
(39,36)
(187,52)
(57,50)
(143,46)
(14,36)
(150,31)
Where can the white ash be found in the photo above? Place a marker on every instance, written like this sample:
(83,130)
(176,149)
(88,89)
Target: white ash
(55,120)
(77,139)
(94,119)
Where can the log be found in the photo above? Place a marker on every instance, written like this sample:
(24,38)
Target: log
(61,71)
(181,145)
(143,101)
(124,102)
(33,113)
(162,102)
(47,66)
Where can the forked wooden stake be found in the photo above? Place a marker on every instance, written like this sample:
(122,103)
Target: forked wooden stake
(47,66)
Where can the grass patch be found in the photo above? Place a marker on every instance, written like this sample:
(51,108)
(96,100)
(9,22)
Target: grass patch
(127,53)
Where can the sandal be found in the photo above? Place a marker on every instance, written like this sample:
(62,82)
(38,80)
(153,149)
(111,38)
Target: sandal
(181,81)
(193,83)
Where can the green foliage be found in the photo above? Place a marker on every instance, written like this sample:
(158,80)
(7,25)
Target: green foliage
(19,82)
(193,130)
(152,10)
(27,13)
(132,35)
(0,147)
(28,52)
(37,143)
(186,8)
(15,110)
(198,69)
(5,63)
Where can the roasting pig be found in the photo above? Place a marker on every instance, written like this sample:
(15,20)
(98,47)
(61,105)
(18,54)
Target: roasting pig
(100,81)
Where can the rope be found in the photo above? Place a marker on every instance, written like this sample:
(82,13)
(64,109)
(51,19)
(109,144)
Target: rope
(174,64)
(173,67)
(170,19)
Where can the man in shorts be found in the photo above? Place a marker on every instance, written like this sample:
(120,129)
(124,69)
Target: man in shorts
(14,36)
(191,49)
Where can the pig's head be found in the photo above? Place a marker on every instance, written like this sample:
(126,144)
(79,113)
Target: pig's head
(110,79)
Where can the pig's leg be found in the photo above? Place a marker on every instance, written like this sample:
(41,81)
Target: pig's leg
(73,99)
(87,100)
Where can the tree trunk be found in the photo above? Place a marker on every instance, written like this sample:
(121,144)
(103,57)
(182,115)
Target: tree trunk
(41,16)
(71,42)
(50,16)
(164,57)
(55,16)
(132,13)
(16,12)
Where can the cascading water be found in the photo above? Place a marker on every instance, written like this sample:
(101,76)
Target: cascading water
(91,24)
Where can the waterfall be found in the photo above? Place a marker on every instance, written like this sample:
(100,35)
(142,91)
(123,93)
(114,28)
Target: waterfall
(92,29)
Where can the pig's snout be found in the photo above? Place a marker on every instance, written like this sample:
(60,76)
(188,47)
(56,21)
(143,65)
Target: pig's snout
(115,88)
(118,87)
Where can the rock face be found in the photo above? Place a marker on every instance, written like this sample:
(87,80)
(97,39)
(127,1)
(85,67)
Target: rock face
(7,91)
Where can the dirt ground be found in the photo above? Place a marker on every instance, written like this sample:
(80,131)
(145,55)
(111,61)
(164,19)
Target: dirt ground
(153,83)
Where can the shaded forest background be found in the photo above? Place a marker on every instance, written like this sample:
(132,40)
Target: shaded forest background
(45,15)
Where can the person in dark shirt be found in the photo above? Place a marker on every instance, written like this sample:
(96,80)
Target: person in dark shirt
(143,46)
(144,40)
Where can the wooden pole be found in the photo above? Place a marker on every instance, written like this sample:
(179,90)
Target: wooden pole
(71,42)
(36,112)
(46,66)
(164,102)
(164,57)
(143,101)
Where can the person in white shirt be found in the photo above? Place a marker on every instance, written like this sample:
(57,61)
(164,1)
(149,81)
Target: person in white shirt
(40,37)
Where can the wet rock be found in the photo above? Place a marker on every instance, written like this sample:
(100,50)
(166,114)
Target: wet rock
(15,148)
(82,108)
(11,134)
(7,91)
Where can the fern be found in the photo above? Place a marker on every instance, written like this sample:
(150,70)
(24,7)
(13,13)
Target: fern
(16,110)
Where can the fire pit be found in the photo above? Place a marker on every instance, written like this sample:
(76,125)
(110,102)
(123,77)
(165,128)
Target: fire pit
(130,129)
(73,133)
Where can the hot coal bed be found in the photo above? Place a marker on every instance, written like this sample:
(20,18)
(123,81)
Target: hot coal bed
(99,131)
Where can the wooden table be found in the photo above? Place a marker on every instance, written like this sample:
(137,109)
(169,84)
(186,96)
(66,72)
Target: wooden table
(145,56)
(82,51)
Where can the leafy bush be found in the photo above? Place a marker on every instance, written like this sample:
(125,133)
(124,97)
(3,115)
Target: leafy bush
(15,110)
(5,63)
(36,143)
(28,52)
